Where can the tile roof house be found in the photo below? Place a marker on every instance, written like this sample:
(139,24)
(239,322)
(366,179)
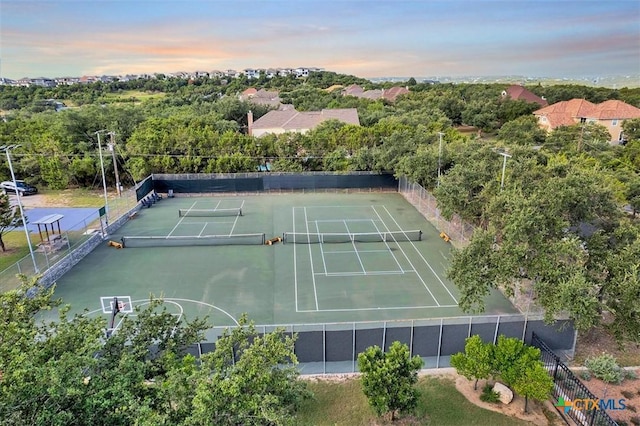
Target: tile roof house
(278,122)
(519,93)
(609,114)
(388,94)
(261,97)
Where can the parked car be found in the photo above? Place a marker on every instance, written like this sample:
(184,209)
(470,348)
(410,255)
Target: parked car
(23,187)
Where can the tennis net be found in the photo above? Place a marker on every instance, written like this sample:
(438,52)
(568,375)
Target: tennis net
(209,212)
(185,241)
(360,237)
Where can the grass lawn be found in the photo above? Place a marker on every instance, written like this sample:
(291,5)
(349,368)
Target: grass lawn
(16,244)
(344,403)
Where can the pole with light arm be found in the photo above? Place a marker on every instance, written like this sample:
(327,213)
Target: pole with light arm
(104,179)
(24,221)
(504,167)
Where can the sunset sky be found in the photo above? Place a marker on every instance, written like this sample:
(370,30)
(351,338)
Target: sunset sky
(543,38)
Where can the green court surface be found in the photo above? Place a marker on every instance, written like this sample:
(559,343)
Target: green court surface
(378,270)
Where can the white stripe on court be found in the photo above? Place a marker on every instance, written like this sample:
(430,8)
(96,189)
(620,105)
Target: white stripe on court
(425,260)
(236,221)
(313,276)
(387,244)
(354,247)
(295,261)
(406,257)
(391,308)
(181,219)
(324,263)
(363,274)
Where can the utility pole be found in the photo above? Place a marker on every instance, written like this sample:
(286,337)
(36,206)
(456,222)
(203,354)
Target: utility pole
(504,167)
(104,179)
(112,148)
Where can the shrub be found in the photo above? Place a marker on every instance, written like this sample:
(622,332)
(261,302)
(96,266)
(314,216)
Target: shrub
(606,368)
(627,394)
(489,395)
(630,374)
(585,375)
(635,420)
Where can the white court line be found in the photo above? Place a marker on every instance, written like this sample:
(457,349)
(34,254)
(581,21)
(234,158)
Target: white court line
(362,274)
(315,293)
(236,221)
(295,261)
(391,308)
(406,257)
(348,220)
(203,228)
(324,263)
(181,219)
(386,242)
(425,260)
(354,247)
(351,251)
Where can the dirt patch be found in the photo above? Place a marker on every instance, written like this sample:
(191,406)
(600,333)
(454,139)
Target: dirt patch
(628,390)
(535,410)
(598,341)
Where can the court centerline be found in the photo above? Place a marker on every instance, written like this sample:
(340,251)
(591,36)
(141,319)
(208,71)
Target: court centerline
(355,249)
(324,263)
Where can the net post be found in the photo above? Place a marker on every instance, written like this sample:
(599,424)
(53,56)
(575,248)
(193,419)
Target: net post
(284,238)
(420,235)
(240,211)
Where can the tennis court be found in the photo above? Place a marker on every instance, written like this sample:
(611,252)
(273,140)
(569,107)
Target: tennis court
(344,258)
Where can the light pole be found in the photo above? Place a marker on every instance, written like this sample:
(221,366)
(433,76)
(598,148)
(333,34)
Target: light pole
(24,221)
(112,148)
(104,179)
(504,167)
(439,157)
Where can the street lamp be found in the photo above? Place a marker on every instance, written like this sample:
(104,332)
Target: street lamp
(439,157)
(504,167)
(104,180)
(6,149)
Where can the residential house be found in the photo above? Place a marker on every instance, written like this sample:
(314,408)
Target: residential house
(282,121)
(610,114)
(374,94)
(519,93)
(261,97)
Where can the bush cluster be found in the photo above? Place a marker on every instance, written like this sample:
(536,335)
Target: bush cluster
(489,395)
(606,368)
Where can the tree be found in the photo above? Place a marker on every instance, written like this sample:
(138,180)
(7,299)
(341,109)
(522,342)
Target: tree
(249,379)
(9,218)
(534,382)
(476,361)
(388,379)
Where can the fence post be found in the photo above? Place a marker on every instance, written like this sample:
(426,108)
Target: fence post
(324,349)
(439,344)
(411,338)
(353,350)
(384,336)
(495,335)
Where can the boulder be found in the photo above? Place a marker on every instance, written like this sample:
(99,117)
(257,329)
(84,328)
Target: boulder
(506,394)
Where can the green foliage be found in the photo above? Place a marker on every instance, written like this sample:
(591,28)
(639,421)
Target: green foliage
(606,368)
(585,375)
(489,395)
(66,372)
(9,218)
(534,382)
(630,374)
(476,361)
(388,379)
(249,379)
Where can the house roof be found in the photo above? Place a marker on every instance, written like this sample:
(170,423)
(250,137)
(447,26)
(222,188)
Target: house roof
(573,108)
(517,92)
(296,120)
(394,92)
(614,109)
